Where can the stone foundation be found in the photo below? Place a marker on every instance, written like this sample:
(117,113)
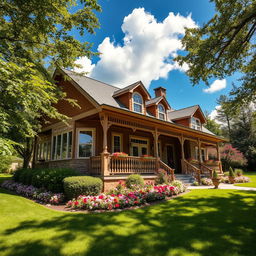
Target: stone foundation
(81,165)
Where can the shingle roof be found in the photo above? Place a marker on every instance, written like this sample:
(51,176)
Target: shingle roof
(127,88)
(99,91)
(185,112)
(153,101)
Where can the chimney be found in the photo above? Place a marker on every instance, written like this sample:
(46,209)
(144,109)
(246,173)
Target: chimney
(160,91)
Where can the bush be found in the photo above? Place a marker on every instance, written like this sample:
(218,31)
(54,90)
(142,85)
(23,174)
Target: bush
(82,185)
(238,172)
(181,187)
(51,178)
(134,180)
(195,183)
(161,177)
(231,172)
(215,174)
(206,182)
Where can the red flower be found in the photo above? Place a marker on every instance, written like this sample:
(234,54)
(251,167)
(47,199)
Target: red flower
(76,203)
(85,200)
(117,205)
(101,197)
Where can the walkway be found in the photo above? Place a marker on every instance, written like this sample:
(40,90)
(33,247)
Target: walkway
(223,186)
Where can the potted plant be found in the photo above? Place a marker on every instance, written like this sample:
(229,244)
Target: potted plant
(119,154)
(215,179)
(231,175)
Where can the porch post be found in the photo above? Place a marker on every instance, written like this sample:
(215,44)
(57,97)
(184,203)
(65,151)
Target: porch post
(218,156)
(105,155)
(206,153)
(156,151)
(181,139)
(199,149)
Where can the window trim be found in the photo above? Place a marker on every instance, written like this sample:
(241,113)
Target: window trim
(78,130)
(191,124)
(158,112)
(54,154)
(113,134)
(142,105)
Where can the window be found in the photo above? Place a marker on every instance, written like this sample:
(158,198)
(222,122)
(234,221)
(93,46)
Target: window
(116,143)
(161,112)
(86,139)
(195,123)
(203,154)
(62,146)
(44,151)
(137,102)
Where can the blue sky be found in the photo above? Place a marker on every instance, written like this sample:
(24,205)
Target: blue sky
(113,68)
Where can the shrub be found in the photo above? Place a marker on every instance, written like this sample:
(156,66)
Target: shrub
(226,173)
(179,185)
(195,183)
(238,172)
(17,176)
(231,172)
(134,180)
(5,164)
(215,174)
(51,178)
(162,177)
(82,185)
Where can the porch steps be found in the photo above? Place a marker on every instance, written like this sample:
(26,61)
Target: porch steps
(185,178)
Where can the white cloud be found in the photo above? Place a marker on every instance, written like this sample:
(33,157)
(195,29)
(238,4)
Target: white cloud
(147,51)
(86,66)
(214,113)
(217,85)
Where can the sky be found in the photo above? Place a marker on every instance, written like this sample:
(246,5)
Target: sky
(138,40)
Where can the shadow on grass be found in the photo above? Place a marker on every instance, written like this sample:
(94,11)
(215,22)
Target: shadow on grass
(214,224)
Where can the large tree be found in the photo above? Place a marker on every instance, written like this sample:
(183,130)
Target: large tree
(226,44)
(212,125)
(33,36)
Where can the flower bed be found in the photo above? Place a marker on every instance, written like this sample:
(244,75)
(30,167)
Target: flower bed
(33,192)
(206,182)
(241,179)
(125,199)
(119,154)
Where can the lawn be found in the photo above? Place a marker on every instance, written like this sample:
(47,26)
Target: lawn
(252,176)
(201,222)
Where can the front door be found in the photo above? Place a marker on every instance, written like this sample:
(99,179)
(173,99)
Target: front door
(139,146)
(170,156)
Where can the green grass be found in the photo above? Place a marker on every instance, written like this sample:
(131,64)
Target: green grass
(252,183)
(202,222)
(4,176)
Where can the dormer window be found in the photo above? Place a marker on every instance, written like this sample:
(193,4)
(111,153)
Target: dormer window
(137,102)
(161,112)
(196,124)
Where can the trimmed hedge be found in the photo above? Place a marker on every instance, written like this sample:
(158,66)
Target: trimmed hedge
(48,178)
(82,185)
(134,180)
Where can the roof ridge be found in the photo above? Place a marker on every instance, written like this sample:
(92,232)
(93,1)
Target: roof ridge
(187,107)
(90,78)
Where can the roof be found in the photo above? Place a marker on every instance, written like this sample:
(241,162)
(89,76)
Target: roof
(181,113)
(130,88)
(102,93)
(99,91)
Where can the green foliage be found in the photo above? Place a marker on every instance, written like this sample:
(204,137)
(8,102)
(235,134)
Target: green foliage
(5,163)
(195,183)
(162,177)
(212,126)
(226,173)
(82,185)
(223,46)
(34,34)
(238,172)
(231,172)
(134,180)
(50,179)
(215,174)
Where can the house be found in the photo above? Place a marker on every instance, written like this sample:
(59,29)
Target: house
(152,134)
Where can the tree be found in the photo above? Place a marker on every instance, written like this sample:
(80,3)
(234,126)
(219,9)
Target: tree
(34,35)
(225,113)
(223,46)
(212,125)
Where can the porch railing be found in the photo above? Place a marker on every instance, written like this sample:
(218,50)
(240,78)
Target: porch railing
(205,170)
(189,168)
(167,168)
(132,164)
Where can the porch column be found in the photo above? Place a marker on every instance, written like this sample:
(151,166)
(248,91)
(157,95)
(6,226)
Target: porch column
(156,151)
(218,156)
(105,155)
(183,168)
(199,149)
(206,153)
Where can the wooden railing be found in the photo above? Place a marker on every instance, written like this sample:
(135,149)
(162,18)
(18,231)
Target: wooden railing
(132,164)
(95,168)
(189,168)
(206,170)
(167,168)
